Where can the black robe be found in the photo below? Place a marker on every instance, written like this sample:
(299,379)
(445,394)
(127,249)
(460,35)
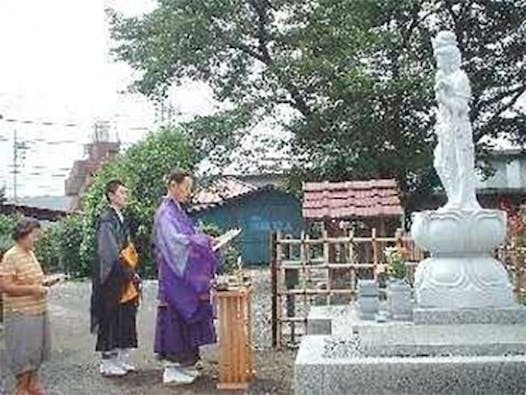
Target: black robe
(114,322)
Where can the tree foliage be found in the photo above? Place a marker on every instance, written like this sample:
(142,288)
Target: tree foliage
(143,168)
(57,248)
(7,223)
(68,239)
(357,74)
(47,250)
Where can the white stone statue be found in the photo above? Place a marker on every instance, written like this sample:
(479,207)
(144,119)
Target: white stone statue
(460,272)
(454,154)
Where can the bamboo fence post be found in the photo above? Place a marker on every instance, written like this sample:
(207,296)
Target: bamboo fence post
(280,277)
(303,261)
(274,287)
(375,253)
(352,262)
(326,258)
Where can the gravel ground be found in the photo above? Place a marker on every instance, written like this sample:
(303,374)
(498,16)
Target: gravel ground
(74,366)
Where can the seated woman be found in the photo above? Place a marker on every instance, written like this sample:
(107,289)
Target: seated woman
(26,322)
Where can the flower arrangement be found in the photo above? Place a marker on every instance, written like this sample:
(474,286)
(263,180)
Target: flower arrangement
(395,263)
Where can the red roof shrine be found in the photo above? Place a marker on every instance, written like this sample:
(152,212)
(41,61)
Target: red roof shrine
(352,199)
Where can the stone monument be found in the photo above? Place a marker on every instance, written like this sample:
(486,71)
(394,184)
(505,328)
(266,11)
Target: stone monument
(368,294)
(461,236)
(467,335)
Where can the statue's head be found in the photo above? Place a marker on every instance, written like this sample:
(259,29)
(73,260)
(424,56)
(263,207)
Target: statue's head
(446,51)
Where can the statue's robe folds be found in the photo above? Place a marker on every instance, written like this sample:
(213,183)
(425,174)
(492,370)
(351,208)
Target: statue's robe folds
(113,320)
(186,265)
(455,152)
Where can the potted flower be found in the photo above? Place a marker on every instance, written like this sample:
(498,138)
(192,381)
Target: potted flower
(398,289)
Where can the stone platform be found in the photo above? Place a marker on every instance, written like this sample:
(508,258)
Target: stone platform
(321,318)
(504,315)
(316,373)
(368,357)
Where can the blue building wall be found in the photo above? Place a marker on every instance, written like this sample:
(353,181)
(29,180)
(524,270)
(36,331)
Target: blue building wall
(258,215)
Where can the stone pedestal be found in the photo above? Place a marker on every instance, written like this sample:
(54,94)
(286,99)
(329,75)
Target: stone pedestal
(461,273)
(466,335)
(368,294)
(399,300)
(367,357)
(319,373)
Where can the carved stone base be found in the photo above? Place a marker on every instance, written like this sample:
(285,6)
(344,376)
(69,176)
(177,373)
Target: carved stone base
(461,274)
(462,283)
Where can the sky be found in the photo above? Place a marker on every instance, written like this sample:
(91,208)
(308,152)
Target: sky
(57,76)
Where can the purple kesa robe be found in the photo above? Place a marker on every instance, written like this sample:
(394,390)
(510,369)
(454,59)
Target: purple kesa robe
(186,265)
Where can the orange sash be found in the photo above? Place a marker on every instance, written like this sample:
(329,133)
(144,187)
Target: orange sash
(130,258)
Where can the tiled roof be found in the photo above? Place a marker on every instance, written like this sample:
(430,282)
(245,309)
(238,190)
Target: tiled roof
(352,199)
(43,214)
(220,191)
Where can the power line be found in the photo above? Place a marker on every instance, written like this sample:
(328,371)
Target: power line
(21,146)
(42,123)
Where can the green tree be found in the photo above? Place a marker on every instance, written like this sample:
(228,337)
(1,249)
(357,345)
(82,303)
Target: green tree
(57,248)
(7,223)
(69,236)
(143,168)
(47,248)
(356,73)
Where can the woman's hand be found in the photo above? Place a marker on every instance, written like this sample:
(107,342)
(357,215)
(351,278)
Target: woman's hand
(26,288)
(39,291)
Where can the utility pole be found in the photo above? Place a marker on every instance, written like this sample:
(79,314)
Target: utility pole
(18,156)
(166,113)
(15,166)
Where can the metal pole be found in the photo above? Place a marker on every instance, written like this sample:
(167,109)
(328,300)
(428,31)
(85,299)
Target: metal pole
(274,287)
(15,166)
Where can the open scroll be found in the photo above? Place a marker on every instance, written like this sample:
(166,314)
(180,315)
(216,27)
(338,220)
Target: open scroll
(226,238)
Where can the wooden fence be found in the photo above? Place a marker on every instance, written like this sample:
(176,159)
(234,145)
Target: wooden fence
(322,271)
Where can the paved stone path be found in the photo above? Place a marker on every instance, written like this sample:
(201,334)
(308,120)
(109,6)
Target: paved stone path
(73,369)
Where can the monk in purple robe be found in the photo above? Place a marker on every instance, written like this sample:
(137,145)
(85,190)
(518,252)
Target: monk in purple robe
(186,265)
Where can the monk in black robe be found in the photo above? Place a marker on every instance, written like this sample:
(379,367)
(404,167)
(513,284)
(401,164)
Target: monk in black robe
(115,286)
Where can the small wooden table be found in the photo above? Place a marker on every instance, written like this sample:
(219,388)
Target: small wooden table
(235,346)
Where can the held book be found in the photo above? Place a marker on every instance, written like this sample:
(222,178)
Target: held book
(53,279)
(226,238)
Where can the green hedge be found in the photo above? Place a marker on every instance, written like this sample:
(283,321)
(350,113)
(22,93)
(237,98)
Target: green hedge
(7,222)
(58,247)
